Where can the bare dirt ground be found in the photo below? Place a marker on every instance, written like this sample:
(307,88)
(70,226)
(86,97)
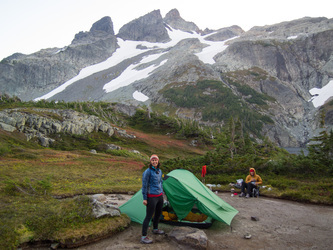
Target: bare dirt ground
(281,224)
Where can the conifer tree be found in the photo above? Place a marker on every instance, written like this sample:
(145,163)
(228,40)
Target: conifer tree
(231,136)
(239,137)
(322,149)
(248,145)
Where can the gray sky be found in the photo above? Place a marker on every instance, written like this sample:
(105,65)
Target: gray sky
(26,26)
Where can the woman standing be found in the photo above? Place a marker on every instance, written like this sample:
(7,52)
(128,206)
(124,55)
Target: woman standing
(152,191)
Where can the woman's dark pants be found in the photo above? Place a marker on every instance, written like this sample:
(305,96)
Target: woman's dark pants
(249,186)
(154,204)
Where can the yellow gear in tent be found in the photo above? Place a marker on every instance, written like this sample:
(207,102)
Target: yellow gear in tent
(169,216)
(194,217)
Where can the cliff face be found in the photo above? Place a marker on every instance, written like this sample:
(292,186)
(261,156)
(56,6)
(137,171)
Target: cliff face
(295,57)
(281,62)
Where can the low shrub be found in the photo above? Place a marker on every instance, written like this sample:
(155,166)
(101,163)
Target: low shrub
(126,153)
(9,236)
(52,216)
(27,187)
(27,156)
(4,149)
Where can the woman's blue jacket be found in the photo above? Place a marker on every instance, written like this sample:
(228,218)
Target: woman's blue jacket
(152,182)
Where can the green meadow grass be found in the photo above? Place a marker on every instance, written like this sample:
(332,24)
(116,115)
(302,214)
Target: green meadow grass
(35,181)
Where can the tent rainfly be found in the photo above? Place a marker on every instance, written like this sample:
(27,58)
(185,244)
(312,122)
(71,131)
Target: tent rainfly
(183,191)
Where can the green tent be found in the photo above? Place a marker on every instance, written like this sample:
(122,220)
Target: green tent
(183,191)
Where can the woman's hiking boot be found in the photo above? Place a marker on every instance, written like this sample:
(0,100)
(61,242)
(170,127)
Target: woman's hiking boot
(158,231)
(146,240)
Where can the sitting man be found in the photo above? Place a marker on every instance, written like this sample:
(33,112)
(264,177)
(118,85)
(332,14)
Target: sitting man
(251,181)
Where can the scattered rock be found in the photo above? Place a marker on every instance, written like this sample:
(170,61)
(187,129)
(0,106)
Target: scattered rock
(112,147)
(135,151)
(247,236)
(54,246)
(46,142)
(194,143)
(254,218)
(120,197)
(192,237)
(124,134)
(7,127)
(93,151)
(99,197)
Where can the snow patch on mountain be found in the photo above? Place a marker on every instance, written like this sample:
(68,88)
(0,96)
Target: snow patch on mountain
(291,37)
(140,96)
(129,76)
(320,96)
(128,49)
(208,53)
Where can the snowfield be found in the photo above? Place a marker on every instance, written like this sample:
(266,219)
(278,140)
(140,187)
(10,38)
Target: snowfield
(128,49)
(320,96)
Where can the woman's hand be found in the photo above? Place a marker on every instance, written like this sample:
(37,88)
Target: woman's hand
(145,202)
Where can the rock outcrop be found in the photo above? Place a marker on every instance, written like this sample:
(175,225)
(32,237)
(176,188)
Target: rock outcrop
(41,123)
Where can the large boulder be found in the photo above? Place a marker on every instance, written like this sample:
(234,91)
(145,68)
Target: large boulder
(103,209)
(191,237)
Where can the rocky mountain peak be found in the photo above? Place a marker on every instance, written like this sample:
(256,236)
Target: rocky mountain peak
(149,27)
(173,14)
(105,24)
(101,29)
(174,19)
